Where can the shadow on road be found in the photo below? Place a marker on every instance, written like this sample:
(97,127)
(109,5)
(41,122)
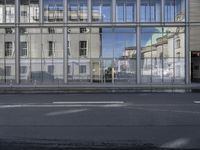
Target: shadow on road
(5,145)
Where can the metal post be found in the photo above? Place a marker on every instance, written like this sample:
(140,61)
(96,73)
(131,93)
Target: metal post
(65,45)
(162,11)
(187,46)
(113,10)
(4,13)
(89,11)
(17,41)
(138,39)
(41,11)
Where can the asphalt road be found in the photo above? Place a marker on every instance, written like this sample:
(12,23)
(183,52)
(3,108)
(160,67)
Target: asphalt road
(142,120)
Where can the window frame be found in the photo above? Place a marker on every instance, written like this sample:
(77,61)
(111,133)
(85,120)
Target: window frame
(82,69)
(8,51)
(51,48)
(83,50)
(23,50)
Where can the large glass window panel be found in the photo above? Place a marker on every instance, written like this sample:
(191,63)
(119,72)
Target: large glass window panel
(53,10)
(24,11)
(30,56)
(107,43)
(34,11)
(96,55)
(152,55)
(52,56)
(29,11)
(96,10)
(102,10)
(73,10)
(150,10)
(174,10)
(162,55)
(77,10)
(119,46)
(2,4)
(125,43)
(41,62)
(174,54)
(7,56)
(10,11)
(83,11)
(79,62)
(120,11)
(125,10)
(106,11)
(130,10)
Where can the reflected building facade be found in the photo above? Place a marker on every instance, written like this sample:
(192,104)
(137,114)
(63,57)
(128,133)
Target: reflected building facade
(60,42)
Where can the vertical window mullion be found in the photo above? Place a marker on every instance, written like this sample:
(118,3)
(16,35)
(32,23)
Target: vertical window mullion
(125,12)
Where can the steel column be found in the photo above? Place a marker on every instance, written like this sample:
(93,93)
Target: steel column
(41,11)
(65,49)
(89,11)
(113,10)
(187,46)
(17,42)
(162,11)
(138,39)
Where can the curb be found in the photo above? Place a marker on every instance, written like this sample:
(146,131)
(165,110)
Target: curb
(99,89)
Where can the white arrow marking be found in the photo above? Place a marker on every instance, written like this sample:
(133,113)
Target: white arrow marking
(91,102)
(56,113)
(178,143)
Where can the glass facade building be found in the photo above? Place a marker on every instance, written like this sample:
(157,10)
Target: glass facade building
(131,42)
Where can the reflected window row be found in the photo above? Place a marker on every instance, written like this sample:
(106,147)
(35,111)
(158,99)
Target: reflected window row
(101,11)
(95,54)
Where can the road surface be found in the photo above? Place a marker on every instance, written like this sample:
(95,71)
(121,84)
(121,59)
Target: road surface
(142,120)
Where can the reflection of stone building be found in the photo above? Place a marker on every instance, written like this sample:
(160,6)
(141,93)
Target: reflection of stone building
(129,52)
(127,63)
(29,13)
(84,51)
(7,58)
(46,59)
(164,53)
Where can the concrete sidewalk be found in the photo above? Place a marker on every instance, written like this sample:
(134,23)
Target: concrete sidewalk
(99,88)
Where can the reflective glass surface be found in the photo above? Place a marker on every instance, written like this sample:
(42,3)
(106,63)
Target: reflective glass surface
(125,10)
(174,10)
(150,10)
(41,55)
(162,55)
(10,11)
(29,11)
(53,10)
(119,47)
(102,10)
(7,56)
(77,10)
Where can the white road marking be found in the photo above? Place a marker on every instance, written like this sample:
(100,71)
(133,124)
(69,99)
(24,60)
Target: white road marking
(57,105)
(115,105)
(178,143)
(91,102)
(56,113)
(197,102)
